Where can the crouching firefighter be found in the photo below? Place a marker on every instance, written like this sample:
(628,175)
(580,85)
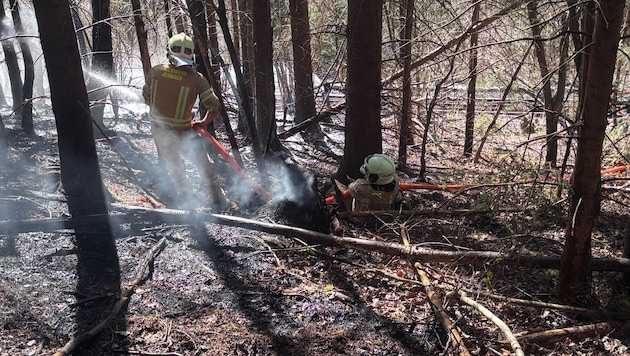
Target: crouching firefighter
(378,190)
(171,91)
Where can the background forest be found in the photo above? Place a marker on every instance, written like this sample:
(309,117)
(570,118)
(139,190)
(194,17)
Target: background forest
(508,121)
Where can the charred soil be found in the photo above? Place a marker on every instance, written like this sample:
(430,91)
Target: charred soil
(216,289)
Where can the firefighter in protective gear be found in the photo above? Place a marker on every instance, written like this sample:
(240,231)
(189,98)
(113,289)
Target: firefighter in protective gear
(379,189)
(171,91)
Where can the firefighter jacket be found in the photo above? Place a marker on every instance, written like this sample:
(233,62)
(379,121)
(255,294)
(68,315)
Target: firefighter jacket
(171,93)
(369,196)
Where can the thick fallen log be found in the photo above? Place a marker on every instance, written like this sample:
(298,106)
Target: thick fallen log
(414,252)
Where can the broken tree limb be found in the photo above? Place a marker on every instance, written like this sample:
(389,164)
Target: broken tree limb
(574,333)
(505,329)
(416,252)
(436,306)
(335,109)
(69,347)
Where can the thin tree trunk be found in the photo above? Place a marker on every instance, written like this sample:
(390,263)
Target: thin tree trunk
(406,135)
(216,87)
(141,33)
(550,102)
(471,97)
(167,18)
(507,90)
(101,74)
(84,45)
(302,66)
(242,86)
(4,144)
(26,108)
(265,88)
(11,60)
(247,61)
(574,280)
(236,26)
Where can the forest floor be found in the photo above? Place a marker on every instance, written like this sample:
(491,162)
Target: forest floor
(219,289)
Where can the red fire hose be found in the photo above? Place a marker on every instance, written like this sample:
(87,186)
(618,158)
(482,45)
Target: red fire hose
(230,160)
(407,186)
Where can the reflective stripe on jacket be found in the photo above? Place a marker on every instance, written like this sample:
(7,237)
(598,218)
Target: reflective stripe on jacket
(171,94)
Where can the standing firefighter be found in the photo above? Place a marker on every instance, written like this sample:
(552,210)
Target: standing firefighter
(171,91)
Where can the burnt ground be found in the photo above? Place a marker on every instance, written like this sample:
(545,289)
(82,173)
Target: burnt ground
(216,289)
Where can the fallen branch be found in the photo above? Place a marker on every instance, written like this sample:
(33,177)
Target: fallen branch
(436,306)
(124,299)
(416,252)
(337,108)
(560,335)
(505,329)
(545,305)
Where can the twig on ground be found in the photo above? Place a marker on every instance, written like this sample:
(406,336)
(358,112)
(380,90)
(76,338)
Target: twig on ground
(124,299)
(505,329)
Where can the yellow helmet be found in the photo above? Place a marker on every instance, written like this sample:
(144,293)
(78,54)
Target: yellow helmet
(181,50)
(378,169)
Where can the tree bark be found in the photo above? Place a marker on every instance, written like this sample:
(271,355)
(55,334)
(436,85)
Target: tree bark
(141,34)
(406,134)
(363,134)
(26,102)
(574,280)
(80,174)
(552,103)
(302,66)
(101,74)
(13,67)
(265,88)
(471,97)
(4,144)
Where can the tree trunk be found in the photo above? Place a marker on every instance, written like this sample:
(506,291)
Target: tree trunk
(574,280)
(406,136)
(4,144)
(141,33)
(197,11)
(167,18)
(553,104)
(471,97)
(3,98)
(101,74)
(247,87)
(26,108)
(80,174)
(265,88)
(243,88)
(81,32)
(13,67)
(302,66)
(236,26)
(363,134)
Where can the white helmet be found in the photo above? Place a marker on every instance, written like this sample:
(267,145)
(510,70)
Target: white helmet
(378,169)
(181,50)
